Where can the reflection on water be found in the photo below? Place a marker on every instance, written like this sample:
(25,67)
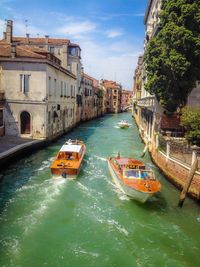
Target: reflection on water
(89,221)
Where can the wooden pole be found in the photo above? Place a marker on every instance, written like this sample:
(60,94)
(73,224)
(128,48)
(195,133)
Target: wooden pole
(145,150)
(187,185)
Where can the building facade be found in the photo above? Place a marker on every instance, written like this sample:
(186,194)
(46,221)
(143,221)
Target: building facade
(39,92)
(126,101)
(113,96)
(68,53)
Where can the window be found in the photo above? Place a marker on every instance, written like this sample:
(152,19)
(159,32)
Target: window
(49,117)
(65,89)
(1,117)
(61,88)
(49,86)
(55,86)
(71,90)
(24,83)
(51,49)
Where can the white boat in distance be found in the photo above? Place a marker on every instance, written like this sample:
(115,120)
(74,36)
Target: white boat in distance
(123,124)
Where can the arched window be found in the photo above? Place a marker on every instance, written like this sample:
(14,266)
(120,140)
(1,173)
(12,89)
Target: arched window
(25,120)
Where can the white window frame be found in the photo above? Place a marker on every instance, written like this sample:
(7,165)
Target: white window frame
(25,83)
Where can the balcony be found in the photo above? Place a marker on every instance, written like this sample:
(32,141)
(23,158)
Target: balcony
(146,102)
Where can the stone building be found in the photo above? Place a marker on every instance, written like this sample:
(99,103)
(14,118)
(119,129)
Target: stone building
(147,111)
(39,92)
(149,114)
(88,98)
(69,54)
(2,128)
(98,99)
(113,93)
(126,101)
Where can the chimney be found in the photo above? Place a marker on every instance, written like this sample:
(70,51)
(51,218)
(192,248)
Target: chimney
(13,50)
(46,39)
(9,31)
(27,37)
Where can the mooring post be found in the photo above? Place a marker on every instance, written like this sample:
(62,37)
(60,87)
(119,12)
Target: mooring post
(188,182)
(145,149)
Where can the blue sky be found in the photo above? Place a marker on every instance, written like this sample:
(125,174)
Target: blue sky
(109,32)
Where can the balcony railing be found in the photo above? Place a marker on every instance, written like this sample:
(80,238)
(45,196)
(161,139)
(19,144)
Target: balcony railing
(146,102)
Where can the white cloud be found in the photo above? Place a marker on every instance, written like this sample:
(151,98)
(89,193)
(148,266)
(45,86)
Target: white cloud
(77,28)
(113,33)
(102,57)
(100,61)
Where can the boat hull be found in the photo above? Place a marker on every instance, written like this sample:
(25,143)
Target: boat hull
(123,126)
(65,173)
(131,192)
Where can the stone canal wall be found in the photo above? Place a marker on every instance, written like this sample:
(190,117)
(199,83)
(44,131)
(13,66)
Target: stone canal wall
(175,171)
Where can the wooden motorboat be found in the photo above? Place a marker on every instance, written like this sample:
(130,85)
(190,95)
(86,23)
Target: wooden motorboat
(68,160)
(123,124)
(133,178)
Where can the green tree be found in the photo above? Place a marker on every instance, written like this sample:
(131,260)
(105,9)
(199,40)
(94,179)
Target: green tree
(172,57)
(190,119)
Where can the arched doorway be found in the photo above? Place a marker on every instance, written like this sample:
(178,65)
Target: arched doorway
(25,120)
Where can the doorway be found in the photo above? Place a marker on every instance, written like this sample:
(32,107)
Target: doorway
(25,119)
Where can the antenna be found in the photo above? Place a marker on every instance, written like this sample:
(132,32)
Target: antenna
(26,25)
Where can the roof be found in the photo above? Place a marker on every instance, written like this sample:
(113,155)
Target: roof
(71,148)
(149,4)
(88,77)
(129,161)
(73,45)
(111,84)
(37,40)
(21,51)
(24,52)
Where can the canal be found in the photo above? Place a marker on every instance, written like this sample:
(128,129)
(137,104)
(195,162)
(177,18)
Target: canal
(88,221)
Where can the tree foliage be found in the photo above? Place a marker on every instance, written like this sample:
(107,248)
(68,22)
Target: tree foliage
(172,58)
(190,119)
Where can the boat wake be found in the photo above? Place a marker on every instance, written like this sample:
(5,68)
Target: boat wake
(120,194)
(44,195)
(100,158)
(78,251)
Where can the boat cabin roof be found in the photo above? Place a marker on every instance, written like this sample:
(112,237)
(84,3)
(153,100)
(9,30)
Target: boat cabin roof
(71,148)
(129,161)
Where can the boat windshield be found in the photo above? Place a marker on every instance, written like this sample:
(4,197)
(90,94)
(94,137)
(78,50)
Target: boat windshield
(138,174)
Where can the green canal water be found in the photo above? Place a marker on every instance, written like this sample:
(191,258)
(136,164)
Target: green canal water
(88,221)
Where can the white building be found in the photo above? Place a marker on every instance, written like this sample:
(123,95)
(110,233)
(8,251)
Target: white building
(39,92)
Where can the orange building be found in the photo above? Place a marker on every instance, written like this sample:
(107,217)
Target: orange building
(126,99)
(113,96)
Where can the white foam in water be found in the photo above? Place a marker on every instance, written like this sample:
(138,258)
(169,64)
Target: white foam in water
(118,227)
(49,189)
(45,164)
(82,186)
(120,194)
(101,158)
(80,250)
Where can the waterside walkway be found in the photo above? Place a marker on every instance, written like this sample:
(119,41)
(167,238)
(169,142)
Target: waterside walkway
(12,146)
